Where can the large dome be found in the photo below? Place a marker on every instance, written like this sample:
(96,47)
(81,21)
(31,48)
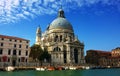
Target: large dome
(60,22)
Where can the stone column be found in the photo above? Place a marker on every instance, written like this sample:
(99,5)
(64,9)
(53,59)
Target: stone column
(79,55)
(68,54)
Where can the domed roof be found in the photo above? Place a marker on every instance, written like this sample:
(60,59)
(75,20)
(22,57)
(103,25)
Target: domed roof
(60,22)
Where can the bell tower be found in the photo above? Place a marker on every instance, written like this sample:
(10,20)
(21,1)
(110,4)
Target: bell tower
(38,36)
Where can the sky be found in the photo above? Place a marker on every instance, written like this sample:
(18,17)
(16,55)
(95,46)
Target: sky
(95,22)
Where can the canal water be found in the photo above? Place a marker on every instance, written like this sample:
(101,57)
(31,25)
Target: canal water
(95,72)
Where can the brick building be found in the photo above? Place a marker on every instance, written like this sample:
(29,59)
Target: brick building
(103,58)
(93,56)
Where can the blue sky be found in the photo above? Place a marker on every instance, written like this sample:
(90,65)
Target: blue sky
(95,22)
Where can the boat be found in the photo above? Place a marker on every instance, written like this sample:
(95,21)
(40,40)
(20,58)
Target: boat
(40,69)
(59,68)
(9,68)
(50,68)
(87,67)
(66,68)
(72,68)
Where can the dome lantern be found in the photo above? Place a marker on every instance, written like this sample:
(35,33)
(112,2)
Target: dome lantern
(61,13)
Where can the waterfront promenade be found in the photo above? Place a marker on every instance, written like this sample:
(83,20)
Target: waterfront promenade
(46,67)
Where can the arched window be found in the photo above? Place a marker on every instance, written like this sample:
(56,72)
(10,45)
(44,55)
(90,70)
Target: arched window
(60,38)
(57,49)
(56,38)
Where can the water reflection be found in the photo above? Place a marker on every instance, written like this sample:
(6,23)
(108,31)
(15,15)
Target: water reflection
(60,73)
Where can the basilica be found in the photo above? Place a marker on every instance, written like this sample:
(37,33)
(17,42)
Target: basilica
(61,42)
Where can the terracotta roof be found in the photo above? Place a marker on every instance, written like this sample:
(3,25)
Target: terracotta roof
(12,37)
(99,51)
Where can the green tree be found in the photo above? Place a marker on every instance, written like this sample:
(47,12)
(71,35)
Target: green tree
(45,55)
(36,52)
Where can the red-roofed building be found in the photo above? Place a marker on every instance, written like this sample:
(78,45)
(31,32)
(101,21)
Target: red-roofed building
(103,58)
(93,56)
(13,50)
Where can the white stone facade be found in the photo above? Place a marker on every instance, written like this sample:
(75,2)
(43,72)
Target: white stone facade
(13,51)
(61,42)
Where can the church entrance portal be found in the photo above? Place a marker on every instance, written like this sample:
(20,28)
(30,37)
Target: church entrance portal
(65,56)
(76,55)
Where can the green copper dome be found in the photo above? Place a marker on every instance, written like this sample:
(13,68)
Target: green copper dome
(60,22)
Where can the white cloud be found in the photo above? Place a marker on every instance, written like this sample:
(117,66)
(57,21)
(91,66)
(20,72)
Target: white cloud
(21,16)
(15,2)
(14,10)
(26,13)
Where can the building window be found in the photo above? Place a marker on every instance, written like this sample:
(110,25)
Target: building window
(56,38)
(2,39)
(14,52)
(14,45)
(19,52)
(57,49)
(27,41)
(27,47)
(10,39)
(20,46)
(20,40)
(9,52)
(8,59)
(1,51)
(60,38)
(26,60)
(26,53)
(15,40)
(19,60)
(1,44)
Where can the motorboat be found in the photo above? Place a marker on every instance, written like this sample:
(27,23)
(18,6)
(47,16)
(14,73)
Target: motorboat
(9,68)
(50,68)
(40,69)
(87,67)
(72,68)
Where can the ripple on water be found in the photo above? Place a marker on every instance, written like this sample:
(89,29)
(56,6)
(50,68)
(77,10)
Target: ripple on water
(95,72)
